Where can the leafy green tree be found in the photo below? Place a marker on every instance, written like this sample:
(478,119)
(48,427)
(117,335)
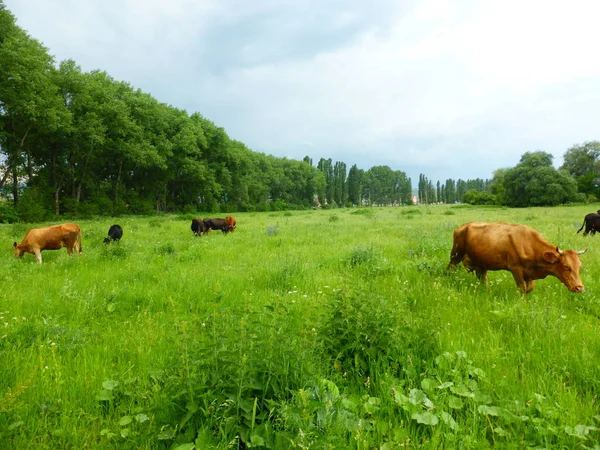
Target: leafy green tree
(380,182)
(475,197)
(402,188)
(355,182)
(534,182)
(583,163)
(29,100)
(326,166)
(340,189)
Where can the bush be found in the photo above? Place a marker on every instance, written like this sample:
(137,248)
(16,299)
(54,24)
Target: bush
(8,213)
(31,206)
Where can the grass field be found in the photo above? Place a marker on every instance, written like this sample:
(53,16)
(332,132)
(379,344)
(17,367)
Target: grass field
(308,329)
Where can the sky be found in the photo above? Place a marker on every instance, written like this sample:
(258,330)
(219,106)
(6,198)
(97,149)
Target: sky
(446,88)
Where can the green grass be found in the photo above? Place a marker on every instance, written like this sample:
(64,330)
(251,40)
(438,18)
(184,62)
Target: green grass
(304,329)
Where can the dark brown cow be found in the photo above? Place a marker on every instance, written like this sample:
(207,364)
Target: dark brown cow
(483,246)
(591,222)
(216,224)
(231,222)
(198,227)
(50,238)
(115,233)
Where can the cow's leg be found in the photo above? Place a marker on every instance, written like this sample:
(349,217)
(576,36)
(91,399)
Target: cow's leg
(520,280)
(38,254)
(481,274)
(529,285)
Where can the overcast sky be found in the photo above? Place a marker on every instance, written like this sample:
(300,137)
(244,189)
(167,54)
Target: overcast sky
(448,88)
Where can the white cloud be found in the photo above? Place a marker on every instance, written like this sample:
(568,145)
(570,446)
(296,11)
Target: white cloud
(453,89)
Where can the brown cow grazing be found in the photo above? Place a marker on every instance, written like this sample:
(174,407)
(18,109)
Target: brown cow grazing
(483,246)
(231,222)
(50,238)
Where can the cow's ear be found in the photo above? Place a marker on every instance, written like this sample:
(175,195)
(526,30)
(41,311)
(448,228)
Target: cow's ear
(551,257)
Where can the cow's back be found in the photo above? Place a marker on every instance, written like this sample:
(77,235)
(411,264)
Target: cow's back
(497,245)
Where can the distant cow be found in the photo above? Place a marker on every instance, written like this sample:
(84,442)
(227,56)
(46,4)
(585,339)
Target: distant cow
(50,238)
(591,222)
(198,227)
(115,233)
(483,246)
(216,224)
(231,222)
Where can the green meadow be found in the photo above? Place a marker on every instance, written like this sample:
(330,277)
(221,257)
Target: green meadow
(327,329)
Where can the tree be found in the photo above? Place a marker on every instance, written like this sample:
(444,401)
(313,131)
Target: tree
(29,98)
(340,189)
(355,182)
(326,166)
(534,182)
(583,163)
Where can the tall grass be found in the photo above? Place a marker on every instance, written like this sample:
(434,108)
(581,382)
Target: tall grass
(315,329)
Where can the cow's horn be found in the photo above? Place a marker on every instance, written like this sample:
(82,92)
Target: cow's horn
(560,252)
(581,252)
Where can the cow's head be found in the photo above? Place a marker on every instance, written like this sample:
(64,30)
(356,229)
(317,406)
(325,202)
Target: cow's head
(18,250)
(565,266)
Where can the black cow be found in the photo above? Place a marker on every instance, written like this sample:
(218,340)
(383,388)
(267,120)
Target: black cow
(115,233)
(216,224)
(198,227)
(591,222)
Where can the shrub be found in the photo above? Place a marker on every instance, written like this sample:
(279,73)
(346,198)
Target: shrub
(8,213)
(31,206)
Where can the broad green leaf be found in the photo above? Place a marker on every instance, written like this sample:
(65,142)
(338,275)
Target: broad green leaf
(449,420)
(185,447)
(488,410)
(455,402)
(462,390)
(426,418)
(445,385)
(500,432)
(416,396)
(15,425)
(141,418)
(575,433)
(125,420)
(428,384)
(104,396)
(109,385)
(166,433)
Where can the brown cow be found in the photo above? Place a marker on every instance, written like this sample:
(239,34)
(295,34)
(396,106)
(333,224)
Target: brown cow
(484,246)
(231,221)
(50,238)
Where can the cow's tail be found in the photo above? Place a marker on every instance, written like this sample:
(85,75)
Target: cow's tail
(582,226)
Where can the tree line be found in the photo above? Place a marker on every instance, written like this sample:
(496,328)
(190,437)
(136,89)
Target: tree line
(83,143)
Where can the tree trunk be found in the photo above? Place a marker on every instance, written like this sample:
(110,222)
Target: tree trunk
(15,184)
